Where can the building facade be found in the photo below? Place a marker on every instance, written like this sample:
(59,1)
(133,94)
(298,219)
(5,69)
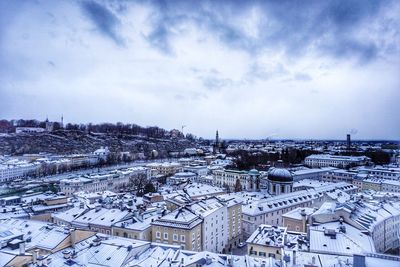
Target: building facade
(250,181)
(325,160)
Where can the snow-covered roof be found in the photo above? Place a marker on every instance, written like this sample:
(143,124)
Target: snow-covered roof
(268,235)
(43,235)
(330,237)
(297,213)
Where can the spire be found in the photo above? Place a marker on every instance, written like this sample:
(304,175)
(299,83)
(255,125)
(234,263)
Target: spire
(216,138)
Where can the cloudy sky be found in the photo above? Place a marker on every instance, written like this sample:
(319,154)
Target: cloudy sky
(252,69)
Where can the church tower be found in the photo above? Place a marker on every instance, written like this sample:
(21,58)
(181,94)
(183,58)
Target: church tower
(49,125)
(217,144)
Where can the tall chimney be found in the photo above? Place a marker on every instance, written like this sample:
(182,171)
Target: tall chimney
(358,260)
(35,255)
(72,233)
(22,248)
(294,257)
(348,142)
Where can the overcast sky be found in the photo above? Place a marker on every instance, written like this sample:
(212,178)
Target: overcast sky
(252,69)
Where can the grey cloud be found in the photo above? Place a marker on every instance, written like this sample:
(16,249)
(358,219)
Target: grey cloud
(215,83)
(295,26)
(105,20)
(212,79)
(158,38)
(260,72)
(51,64)
(302,77)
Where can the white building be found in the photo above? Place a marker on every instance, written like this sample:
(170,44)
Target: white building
(313,174)
(102,152)
(29,130)
(339,176)
(215,227)
(325,160)
(269,210)
(200,170)
(380,219)
(382,172)
(164,168)
(100,182)
(14,169)
(249,180)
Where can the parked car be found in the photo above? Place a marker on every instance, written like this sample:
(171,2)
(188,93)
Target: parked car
(241,245)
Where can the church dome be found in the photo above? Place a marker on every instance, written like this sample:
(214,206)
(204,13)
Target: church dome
(280,175)
(253,172)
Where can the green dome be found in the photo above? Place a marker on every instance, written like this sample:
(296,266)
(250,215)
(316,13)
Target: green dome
(253,172)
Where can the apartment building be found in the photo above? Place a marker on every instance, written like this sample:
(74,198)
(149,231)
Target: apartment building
(164,168)
(336,176)
(181,227)
(15,169)
(381,219)
(297,219)
(267,241)
(100,182)
(382,173)
(270,210)
(377,184)
(220,225)
(325,160)
(249,180)
(312,174)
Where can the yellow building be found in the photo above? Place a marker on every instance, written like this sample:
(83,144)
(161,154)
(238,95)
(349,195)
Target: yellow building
(296,220)
(181,227)
(267,241)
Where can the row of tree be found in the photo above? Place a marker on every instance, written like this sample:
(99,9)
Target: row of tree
(8,126)
(378,157)
(246,160)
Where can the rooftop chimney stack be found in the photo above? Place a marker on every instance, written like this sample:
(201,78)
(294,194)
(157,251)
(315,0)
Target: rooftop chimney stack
(348,141)
(22,248)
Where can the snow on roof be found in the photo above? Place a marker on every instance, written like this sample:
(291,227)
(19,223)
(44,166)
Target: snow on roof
(328,237)
(297,213)
(310,171)
(138,224)
(304,258)
(100,216)
(206,207)
(111,252)
(335,157)
(69,215)
(181,217)
(6,257)
(194,190)
(265,205)
(43,235)
(13,212)
(310,183)
(268,235)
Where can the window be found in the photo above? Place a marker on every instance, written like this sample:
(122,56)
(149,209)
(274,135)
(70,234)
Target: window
(182,238)
(166,236)
(175,237)
(158,234)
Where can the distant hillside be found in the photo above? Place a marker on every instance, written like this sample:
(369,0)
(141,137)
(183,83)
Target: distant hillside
(77,141)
